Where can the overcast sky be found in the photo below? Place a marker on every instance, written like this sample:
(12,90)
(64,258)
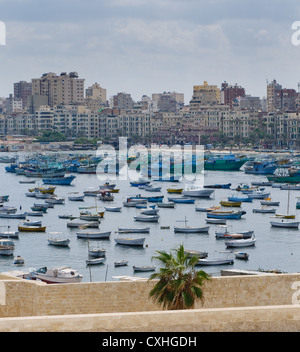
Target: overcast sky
(151,46)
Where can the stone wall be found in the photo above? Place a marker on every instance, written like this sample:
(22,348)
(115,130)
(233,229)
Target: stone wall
(125,306)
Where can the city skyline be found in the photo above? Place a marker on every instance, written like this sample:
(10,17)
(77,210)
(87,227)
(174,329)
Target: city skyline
(142,47)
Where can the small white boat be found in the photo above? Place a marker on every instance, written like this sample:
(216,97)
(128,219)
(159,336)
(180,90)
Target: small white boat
(58,275)
(94,224)
(150,211)
(147,218)
(95,261)
(151,188)
(241,255)
(113,209)
(216,221)
(31,223)
(90,217)
(97,252)
(215,261)
(76,198)
(247,242)
(121,263)
(55,200)
(134,229)
(195,191)
(130,241)
(258,195)
(63,242)
(19,260)
(190,229)
(144,268)
(166,205)
(93,234)
(284,223)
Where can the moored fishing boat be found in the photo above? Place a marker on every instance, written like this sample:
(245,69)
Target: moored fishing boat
(284,223)
(196,191)
(225,215)
(190,229)
(247,242)
(182,200)
(143,268)
(216,221)
(58,275)
(76,198)
(224,162)
(94,261)
(217,186)
(134,229)
(175,190)
(230,204)
(147,218)
(62,242)
(92,224)
(90,235)
(31,228)
(264,209)
(63,181)
(7,247)
(130,241)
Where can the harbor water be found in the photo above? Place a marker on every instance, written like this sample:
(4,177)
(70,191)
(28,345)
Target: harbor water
(275,248)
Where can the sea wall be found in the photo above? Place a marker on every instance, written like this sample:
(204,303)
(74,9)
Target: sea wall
(246,303)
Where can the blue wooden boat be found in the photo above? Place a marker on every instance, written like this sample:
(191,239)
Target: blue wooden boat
(226,215)
(182,200)
(155,199)
(240,199)
(226,186)
(64,181)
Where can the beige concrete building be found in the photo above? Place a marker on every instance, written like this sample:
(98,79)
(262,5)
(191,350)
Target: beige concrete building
(205,95)
(96,92)
(62,89)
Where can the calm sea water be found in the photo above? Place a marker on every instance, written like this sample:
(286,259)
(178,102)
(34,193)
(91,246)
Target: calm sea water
(275,248)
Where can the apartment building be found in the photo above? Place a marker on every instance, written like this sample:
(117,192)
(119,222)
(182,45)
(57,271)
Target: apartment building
(63,89)
(23,90)
(284,127)
(205,95)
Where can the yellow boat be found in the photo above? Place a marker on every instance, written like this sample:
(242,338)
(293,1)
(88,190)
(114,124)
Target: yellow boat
(115,190)
(32,228)
(174,190)
(43,190)
(230,204)
(286,216)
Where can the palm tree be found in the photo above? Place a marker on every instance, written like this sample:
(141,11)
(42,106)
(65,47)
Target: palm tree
(179,285)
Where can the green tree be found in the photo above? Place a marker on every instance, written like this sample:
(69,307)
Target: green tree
(179,285)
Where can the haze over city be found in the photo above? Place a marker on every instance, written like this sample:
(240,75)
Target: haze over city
(144,47)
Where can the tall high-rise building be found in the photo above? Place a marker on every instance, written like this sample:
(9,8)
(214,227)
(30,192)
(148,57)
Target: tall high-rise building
(273,96)
(279,98)
(22,90)
(64,89)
